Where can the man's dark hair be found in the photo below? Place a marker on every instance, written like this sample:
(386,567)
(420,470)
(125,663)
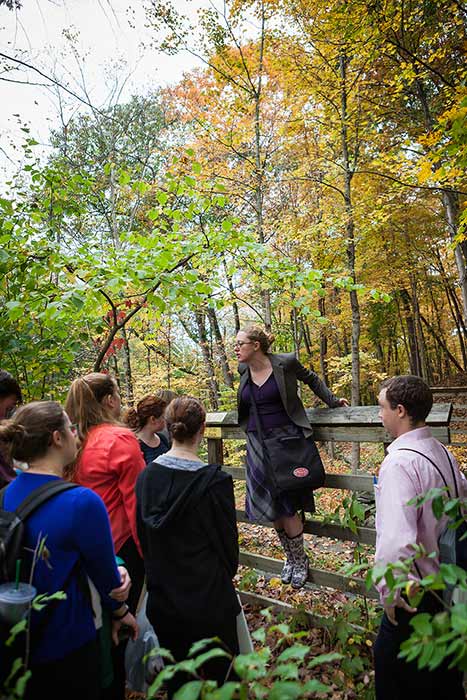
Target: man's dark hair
(9,386)
(412,393)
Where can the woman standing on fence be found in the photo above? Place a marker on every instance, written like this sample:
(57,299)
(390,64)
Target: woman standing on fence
(188,531)
(147,420)
(65,660)
(268,394)
(109,463)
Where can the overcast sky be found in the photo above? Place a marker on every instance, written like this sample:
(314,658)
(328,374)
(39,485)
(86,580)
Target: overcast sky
(106,31)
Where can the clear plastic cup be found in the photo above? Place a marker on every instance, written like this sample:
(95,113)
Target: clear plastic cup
(15,601)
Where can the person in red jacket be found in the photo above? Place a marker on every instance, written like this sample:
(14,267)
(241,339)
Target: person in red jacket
(109,463)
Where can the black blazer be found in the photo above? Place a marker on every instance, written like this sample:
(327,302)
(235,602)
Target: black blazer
(287,370)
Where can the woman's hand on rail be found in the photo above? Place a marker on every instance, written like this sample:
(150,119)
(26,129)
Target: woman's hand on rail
(343,402)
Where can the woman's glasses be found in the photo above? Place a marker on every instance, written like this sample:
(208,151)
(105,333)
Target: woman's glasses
(239,343)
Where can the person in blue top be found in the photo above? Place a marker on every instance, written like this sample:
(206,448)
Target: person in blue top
(64,655)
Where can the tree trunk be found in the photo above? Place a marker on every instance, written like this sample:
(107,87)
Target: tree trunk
(220,348)
(323,343)
(203,342)
(413,356)
(350,236)
(232,293)
(127,369)
(259,194)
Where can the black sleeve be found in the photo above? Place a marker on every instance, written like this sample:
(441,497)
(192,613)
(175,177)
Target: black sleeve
(316,384)
(221,519)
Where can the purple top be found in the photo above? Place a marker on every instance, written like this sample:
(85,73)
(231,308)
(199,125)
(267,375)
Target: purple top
(268,401)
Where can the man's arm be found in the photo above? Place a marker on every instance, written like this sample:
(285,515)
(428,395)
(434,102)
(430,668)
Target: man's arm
(396,525)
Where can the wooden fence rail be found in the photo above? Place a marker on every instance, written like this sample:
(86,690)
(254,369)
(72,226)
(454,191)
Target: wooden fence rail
(352,424)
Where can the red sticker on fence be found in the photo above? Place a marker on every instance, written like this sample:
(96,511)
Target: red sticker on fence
(300,472)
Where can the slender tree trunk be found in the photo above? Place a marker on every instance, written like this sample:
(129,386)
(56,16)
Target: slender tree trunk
(127,369)
(323,343)
(414,358)
(259,188)
(220,348)
(350,235)
(203,342)
(232,293)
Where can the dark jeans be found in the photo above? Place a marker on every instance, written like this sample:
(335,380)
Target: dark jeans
(75,677)
(135,565)
(178,635)
(396,679)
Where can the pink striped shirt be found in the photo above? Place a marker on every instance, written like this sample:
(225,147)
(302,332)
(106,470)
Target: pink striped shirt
(402,477)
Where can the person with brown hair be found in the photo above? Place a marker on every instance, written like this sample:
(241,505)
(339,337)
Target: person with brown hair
(269,382)
(188,531)
(10,396)
(64,650)
(146,421)
(109,463)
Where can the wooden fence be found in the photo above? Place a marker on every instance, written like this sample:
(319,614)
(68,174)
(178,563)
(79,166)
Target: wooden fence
(354,424)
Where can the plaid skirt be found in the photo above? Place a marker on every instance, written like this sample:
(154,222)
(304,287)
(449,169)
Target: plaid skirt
(260,505)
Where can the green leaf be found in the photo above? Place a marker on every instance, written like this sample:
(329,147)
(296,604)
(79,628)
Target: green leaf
(190,691)
(422,624)
(315,686)
(286,690)
(227,225)
(202,644)
(325,659)
(297,651)
(196,167)
(286,671)
(259,635)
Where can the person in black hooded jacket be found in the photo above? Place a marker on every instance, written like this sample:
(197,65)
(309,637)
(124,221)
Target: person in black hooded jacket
(188,533)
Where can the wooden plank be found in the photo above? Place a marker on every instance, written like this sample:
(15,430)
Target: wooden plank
(278,606)
(346,416)
(254,599)
(449,389)
(316,577)
(365,535)
(324,433)
(215,451)
(350,482)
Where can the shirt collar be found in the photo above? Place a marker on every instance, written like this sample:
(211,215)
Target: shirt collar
(410,437)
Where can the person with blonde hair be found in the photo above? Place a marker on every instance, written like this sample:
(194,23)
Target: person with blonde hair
(188,531)
(74,526)
(268,395)
(109,462)
(147,421)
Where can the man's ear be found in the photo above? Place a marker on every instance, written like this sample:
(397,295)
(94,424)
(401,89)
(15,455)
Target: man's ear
(401,411)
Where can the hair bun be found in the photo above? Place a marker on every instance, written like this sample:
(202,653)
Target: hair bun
(178,430)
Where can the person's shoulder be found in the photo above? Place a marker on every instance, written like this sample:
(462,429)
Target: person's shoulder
(219,477)
(81,497)
(286,359)
(242,367)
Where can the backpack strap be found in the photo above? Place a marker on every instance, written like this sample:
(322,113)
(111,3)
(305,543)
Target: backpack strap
(408,449)
(452,470)
(39,496)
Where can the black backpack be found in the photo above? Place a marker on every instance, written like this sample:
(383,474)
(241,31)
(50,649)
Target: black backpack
(12,524)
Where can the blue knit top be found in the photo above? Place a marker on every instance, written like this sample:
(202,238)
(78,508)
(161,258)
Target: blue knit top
(76,527)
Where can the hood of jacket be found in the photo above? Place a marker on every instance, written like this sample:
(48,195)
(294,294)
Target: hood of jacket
(165,494)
